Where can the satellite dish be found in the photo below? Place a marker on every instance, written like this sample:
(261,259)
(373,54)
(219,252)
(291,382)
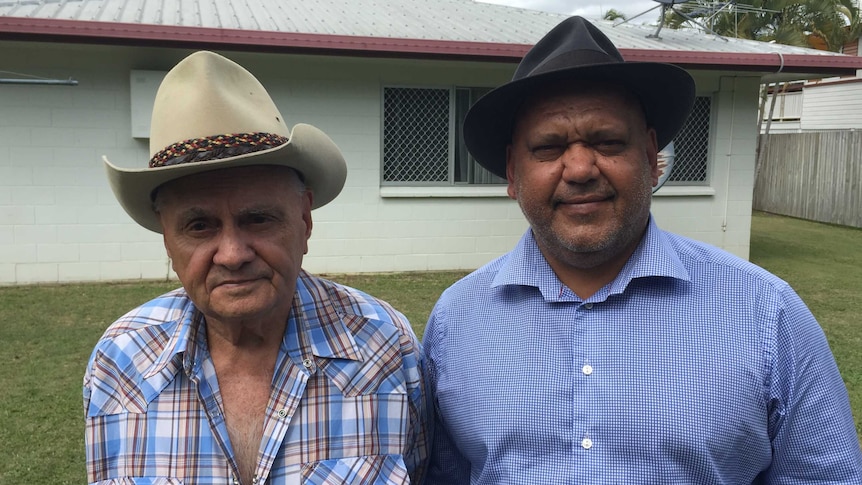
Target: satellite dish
(666,157)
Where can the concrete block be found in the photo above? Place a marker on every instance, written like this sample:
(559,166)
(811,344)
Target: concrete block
(18,253)
(30,116)
(75,272)
(103,214)
(120,270)
(498,245)
(470,262)
(32,196)
(16,215)
(60,215)
(76,196)
(99,252)
(79,117)
(57,253)
(86,157)
(157,270)
(16,176)
(35,234)
(7,274)
(54,137)
(27,273)
(50,96)
(143,251)
(97,99)
(409,262)
(439,262)
(16,136)
(31,156)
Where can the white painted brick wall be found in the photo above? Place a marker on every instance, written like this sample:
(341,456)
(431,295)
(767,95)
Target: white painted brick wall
(26,273)
(59,221)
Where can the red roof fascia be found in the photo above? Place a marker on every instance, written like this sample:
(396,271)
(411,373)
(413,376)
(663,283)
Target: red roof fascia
(17,28)
(62,30)
(767,61)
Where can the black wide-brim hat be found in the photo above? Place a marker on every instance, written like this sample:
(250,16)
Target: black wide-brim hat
(576,50)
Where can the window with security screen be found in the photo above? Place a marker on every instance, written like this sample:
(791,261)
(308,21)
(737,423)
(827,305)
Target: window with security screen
(422,142)
(691,145)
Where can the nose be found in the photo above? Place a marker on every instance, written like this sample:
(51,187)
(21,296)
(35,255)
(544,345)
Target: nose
(233,249)
(579,164)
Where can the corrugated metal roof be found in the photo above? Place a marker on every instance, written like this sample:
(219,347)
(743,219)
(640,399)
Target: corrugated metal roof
(446,20)
(410,27)
(457,20)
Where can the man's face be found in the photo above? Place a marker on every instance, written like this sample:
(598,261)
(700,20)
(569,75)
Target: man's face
(236,239)
(582,164)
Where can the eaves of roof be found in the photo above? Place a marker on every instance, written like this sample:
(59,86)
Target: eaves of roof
(114,33)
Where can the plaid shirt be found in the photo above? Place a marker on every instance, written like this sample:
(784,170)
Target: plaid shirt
(348,402)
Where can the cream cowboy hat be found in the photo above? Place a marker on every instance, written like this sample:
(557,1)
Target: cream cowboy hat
(209,114)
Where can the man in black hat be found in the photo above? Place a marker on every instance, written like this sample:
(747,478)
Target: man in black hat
(603,349)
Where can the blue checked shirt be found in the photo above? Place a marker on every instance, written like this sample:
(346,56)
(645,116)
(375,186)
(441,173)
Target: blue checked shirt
(348,402)
(691,367)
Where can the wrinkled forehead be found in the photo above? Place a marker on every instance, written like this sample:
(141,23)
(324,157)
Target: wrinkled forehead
(269,180)
(554,95)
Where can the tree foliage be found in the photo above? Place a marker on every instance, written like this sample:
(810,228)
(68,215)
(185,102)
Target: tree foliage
(614,15)
(821,24)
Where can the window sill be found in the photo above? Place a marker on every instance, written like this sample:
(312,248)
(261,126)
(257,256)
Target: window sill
(685,191)
(500,191)
(453,191)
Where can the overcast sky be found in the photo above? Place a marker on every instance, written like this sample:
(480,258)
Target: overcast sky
(589,8)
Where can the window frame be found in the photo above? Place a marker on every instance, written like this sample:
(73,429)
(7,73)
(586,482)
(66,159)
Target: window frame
(453,137)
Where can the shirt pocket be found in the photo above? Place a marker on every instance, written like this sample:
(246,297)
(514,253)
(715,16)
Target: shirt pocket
(140,481)
(359,470)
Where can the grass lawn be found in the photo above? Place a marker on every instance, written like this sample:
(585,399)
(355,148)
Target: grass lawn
(47,333)
(823,263)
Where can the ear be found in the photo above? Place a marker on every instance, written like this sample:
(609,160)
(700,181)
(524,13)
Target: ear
(165,242)
(307,202)
(652,156)
(511,189)
(171,260)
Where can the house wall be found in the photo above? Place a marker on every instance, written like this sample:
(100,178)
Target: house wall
(720,212)
(832,106)
(59,221)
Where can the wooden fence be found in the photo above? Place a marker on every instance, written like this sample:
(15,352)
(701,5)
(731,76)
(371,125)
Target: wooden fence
(815,176)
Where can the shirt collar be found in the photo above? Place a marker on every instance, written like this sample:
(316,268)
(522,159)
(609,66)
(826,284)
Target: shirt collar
(654,257)
(185,330)
(320,325)
(317,321)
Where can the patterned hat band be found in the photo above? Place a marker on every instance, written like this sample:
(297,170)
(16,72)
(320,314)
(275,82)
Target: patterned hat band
(215,148)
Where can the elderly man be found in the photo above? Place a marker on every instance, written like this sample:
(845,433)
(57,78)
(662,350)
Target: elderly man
(254,371)
(603,350)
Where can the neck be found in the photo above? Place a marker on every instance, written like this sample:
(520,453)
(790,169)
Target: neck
(245,335)
(585,282)
(587,273)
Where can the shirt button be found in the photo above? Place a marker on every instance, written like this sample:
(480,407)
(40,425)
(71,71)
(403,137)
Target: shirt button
(586,443)
(587,369)
(282,413)
(307,363)
(588,306)
(255,480)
